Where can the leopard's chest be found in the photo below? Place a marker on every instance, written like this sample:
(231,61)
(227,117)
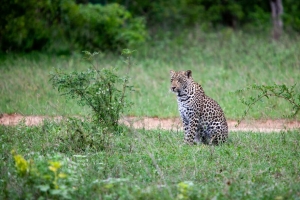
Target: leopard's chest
(186,107)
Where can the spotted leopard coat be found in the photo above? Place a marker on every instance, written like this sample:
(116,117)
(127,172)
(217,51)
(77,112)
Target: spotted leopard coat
(203,118)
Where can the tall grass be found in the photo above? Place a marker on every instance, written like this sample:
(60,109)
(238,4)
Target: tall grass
(222,62)
(155,164)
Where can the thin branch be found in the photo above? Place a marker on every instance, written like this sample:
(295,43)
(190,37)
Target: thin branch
(271,93)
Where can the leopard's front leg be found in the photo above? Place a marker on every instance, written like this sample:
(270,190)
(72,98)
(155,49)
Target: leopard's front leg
(190,129)
(186,129)
(185,122)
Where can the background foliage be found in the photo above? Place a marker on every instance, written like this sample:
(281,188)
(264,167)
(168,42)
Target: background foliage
(64,26)
(212,13)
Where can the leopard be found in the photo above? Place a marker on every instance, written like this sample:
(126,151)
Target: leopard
(202,117)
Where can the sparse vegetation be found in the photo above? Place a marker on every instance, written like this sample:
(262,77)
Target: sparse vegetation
(265,92)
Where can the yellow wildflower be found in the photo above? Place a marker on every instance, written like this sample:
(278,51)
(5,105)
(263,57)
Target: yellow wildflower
(21,164)
(54,166)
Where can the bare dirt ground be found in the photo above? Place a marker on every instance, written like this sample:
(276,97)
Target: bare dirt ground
(167,124)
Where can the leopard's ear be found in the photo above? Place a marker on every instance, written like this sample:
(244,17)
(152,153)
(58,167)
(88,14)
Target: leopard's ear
(188,73)
(172,72)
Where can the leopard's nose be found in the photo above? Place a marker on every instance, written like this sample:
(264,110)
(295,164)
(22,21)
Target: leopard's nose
(173,88)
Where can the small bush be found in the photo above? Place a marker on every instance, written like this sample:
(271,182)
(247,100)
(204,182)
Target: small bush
(40,178)
(267,91)
(104,91)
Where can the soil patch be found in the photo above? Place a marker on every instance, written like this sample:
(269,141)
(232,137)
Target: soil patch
(246,125)
(167,124)
(34,120)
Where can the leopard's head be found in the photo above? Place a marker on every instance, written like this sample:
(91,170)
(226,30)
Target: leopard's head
(180,80)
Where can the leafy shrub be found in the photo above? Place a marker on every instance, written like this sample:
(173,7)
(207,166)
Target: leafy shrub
(63,26)
(291,14)
(22,25)
(101,27)
(265,92)
(42,178)
(103,90)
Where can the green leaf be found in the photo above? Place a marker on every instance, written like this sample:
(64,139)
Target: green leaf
(43,188)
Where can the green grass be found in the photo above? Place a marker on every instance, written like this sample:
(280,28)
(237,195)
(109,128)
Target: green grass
(141,164)
(222,62)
